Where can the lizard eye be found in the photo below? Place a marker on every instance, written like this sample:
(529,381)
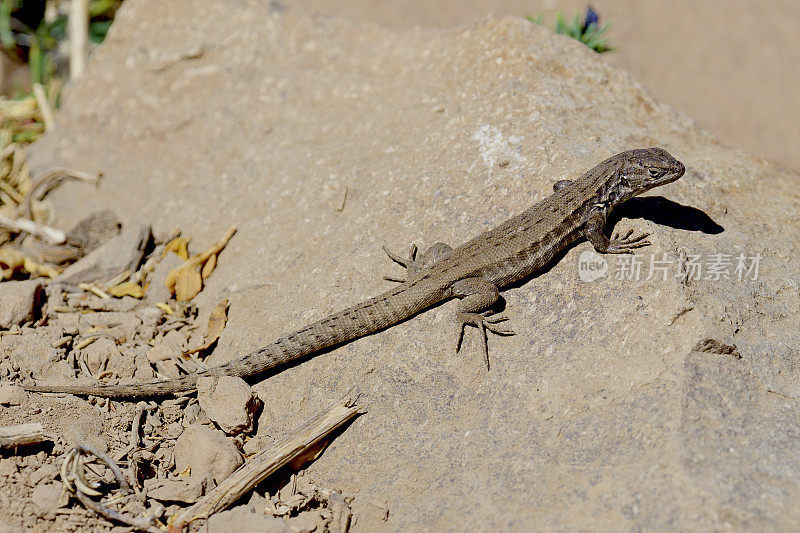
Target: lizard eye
(655,172)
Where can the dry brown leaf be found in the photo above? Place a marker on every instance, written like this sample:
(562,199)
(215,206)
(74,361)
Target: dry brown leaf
(179,246)
(186,280)
(216,323)
(129,288)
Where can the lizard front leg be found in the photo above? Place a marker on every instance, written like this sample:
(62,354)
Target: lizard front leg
(478,295)
(413,264)
(618,244)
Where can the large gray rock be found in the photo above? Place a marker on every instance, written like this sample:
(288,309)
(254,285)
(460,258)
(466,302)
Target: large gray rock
(599,413)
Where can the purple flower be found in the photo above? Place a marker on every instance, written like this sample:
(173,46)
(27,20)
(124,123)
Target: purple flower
(591,17)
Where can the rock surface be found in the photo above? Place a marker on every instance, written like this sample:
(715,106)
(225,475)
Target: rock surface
(228,402)
(323,139)
(247,521)
(207,453)
(19,302)
(748,98)
(186,490)
(94,230)
(11,394)
(121,253)
(48,497)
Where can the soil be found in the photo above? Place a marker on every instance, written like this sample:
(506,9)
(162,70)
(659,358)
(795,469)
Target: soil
(625,402)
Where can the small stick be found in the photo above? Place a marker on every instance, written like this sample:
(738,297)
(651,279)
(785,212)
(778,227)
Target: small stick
(44,106)
(48,181)
(73,477)
(268,461)
(141,524)
(47,233)
(12,436)
(78,30)
(135,440)
(94,289)
(11,191)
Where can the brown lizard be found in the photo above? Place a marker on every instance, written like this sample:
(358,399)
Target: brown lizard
(473,272)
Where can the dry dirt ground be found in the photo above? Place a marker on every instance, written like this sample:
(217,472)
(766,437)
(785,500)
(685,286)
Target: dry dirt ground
(663,399)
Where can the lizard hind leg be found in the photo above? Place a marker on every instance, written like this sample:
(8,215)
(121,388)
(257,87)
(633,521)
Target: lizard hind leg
(414,264)
(478,296)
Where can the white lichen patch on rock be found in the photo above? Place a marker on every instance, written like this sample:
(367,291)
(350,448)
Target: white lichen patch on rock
(496,148)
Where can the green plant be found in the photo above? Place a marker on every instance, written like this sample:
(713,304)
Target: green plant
(26,34)
(586,30)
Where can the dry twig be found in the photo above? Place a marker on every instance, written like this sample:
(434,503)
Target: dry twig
(74,479)
(268,461)
(78,30)
(44,106)
(49,181)
(47,233)
(13,436)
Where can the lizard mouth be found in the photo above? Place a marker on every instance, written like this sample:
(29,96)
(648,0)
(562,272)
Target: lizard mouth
(671,176)
(680,170)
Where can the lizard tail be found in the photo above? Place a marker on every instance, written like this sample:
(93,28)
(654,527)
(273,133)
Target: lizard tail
(161,387)
(359,320)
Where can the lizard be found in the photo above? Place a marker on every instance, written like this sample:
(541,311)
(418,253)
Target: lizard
(473,272)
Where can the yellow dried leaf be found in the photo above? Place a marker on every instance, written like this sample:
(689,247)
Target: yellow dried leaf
(164,307)
(11,258)
(187,284)
(208,268)
(13,261)
(217,320)
(216,323)
(22,109)
(186,280)
(129,288)
(33,267)
(179,246)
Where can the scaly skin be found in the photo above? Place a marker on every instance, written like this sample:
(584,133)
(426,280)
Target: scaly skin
(473,272)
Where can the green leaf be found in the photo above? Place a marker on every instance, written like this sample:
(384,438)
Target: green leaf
(6,37)
(99,8)
(98,30)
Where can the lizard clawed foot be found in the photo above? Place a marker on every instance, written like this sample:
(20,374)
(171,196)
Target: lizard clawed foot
(413,264)
(483,321)
(405,263)
(625,244)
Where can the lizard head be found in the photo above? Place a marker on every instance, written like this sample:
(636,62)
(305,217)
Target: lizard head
(642,169)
